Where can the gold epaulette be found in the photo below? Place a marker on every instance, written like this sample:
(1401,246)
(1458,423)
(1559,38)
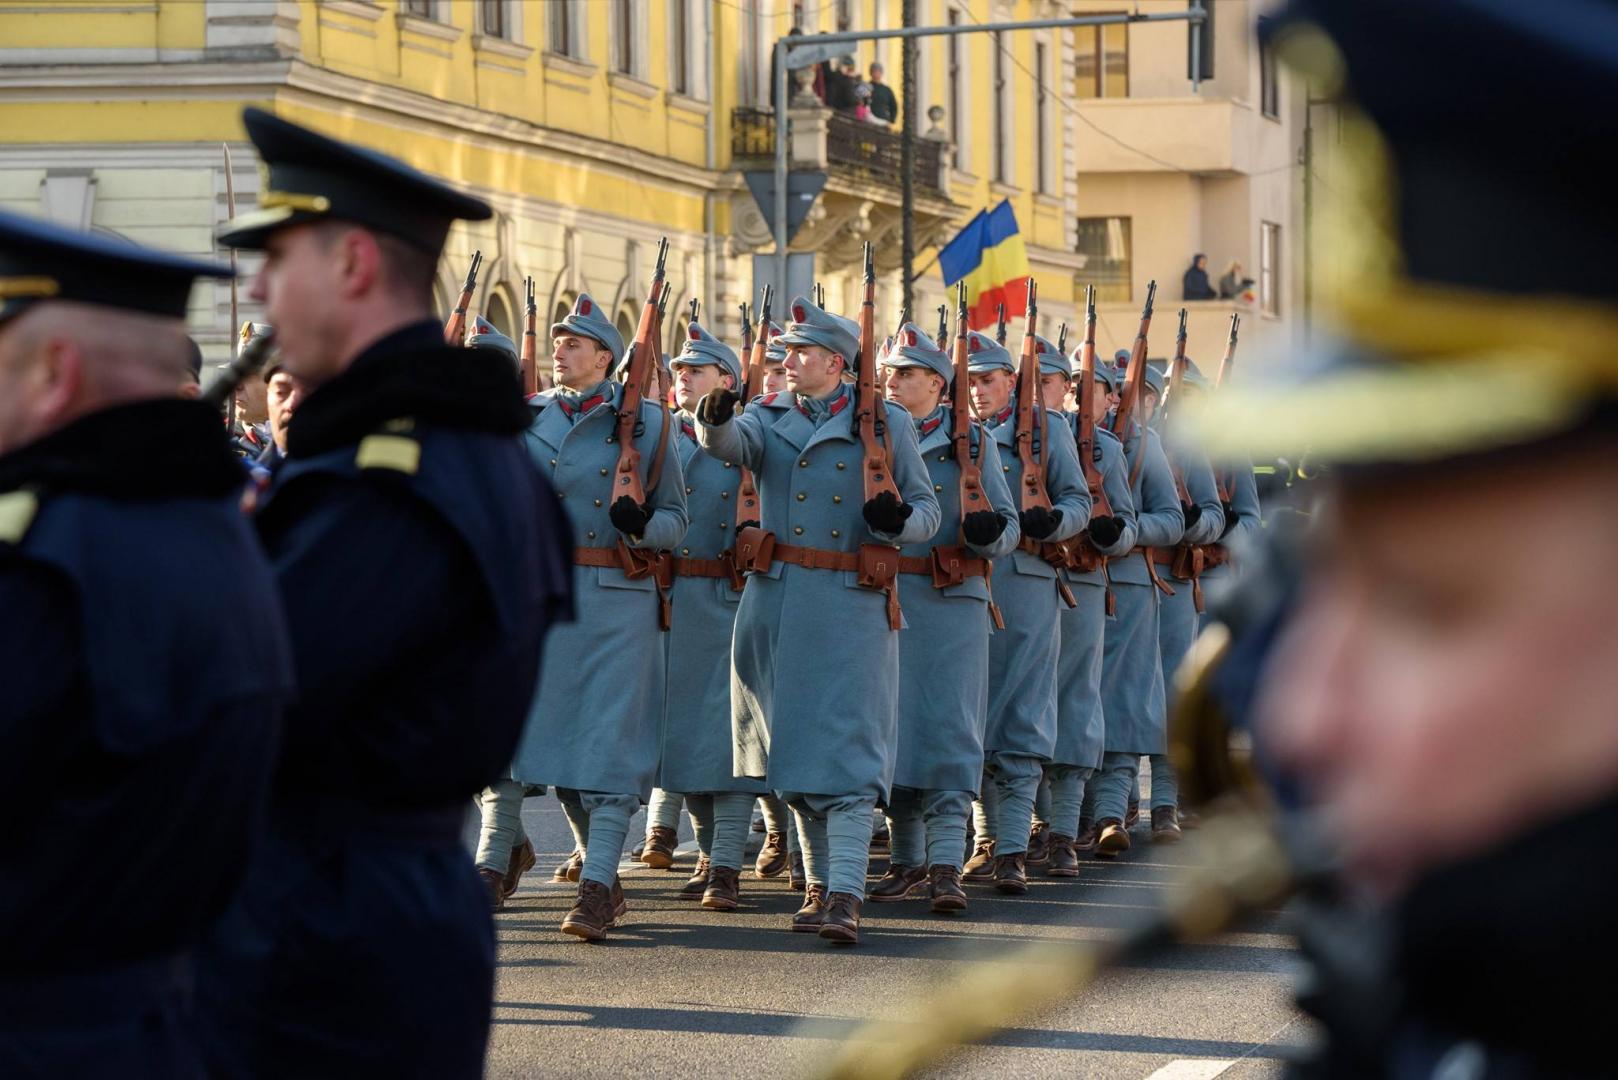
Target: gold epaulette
(17,512)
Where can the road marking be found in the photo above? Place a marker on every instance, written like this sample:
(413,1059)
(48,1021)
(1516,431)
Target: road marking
(1191,1069)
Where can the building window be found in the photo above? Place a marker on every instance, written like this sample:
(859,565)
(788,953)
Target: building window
(494,20)
(1041,120)
(680,43)
(498,310)
(1269,268)
(1002,157)
(560,28)
(754,93)
(845,15)
(1101,61)
(624,57)
(1269,85)
(957,91)
(1105,244)
(1200,62)
(421,9)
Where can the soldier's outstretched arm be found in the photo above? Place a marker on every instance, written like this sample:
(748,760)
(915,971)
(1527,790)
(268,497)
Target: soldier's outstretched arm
(740,438)
(911,478)
(1204,493)
(669,518)
(998,493)
(1064,479)
(1161,522)
(1115,482)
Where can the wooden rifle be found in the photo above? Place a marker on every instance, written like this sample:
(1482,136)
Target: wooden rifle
(1135,377)
(1000,324)
(943,328)
(455,328)
(1222,479)
(1099,505)
(1030,439)
(971,484)
(530,341)
(1061,339)
(638,377)
(746,312)
(754,375)
(1176,376)
(870,416)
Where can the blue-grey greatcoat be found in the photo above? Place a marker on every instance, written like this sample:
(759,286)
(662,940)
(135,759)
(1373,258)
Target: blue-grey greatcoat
(696,710)
(1243,522)
(595,723)
(1177,614)
(815,668)
(1023,657)
(1080,725)
(944,653)
(1131,665)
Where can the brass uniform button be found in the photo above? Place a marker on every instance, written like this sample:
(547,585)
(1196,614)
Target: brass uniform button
(835,533)
(592,536)
(603,472)
(688,491)
(598,502)
(553,462)
(724,494)
(804,464)
(797,530)
(840,465)
(802,496)
(836,498)
(685,551)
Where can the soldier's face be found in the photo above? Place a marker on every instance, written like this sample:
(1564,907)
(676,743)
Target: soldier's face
(1053,390)
(693,381)
(915,389)
(251,406)
(1101,400)
(1148,404)
(306,298)
(1448,676)
(775,377)
(991,392)
(285,393)
(812,370)
(578,363)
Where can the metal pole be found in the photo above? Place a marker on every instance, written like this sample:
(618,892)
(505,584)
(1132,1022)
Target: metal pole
(907,157)
(1196,47)
(781,125)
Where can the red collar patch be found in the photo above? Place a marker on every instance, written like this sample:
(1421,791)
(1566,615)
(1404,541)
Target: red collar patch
(584,406)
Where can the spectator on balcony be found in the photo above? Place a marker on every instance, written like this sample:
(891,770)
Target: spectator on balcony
(884,106)
(1196,285)
(840,83)
(1234,283)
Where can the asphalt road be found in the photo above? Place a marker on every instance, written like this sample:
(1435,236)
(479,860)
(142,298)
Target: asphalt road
(676,990)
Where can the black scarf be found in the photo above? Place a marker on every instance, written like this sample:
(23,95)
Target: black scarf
(410,374)
(163,448)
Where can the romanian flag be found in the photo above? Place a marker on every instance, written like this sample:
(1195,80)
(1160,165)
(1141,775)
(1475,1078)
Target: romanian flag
(990,256)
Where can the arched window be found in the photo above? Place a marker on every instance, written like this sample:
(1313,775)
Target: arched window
(499,311)
(627,322)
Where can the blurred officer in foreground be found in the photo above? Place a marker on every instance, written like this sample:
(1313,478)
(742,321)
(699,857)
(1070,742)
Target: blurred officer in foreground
(1444,686)
(139,710)
(420,560)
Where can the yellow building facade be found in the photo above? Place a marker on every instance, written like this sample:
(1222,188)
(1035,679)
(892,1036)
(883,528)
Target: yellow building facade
(594,127)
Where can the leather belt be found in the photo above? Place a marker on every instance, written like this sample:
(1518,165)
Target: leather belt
(714,568)
(636,563)
(876,565)
(1151,557)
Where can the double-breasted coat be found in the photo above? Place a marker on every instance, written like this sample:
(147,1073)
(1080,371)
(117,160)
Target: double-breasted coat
(944,653)
(1177,617)
(1080,725)
(1131,665)
(697,756)
(815,667)
(1023,657)
(596,720)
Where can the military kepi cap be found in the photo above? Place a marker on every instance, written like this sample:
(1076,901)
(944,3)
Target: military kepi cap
(702,349)
(311,177)
(983,353)
(482,334)
(40,260)
(812,325)
(588,320)
(912,347)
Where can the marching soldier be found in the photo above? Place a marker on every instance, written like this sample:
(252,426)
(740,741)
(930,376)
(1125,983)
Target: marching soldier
(944,652)
(140,711)
(363,942)
(1022,728)
(483,335)
(1180,567)
(1237,485)
(814,689)
(1132,693)
(1080,725)
(696,758)
(775,360)
(602,760)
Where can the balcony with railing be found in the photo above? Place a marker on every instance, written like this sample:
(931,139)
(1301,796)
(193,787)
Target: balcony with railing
(852,149)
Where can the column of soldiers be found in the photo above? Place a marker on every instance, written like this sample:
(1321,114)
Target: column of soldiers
(797,592)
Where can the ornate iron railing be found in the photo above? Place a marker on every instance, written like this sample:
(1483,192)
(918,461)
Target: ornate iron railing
(856,148)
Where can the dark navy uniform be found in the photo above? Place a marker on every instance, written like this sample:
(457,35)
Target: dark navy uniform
(139,710)
(420,558)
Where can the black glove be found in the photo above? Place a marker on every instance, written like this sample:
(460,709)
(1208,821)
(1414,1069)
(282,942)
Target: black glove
(1105,531)
(983,527)
(1039,522)
(885,513)
(1230,520)
(718,406)
(1192,512)
(628,516)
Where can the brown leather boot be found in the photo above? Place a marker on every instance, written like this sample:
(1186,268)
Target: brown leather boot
(1038,846)
(808,918)
(568,869)
(1085,842)
(1064,862)
(945,885)
(620,906)
(660,845)
(522,861)
(980,867)
(1112,839)
(592,913)
(796,878)
(772,857)
(1165,825)
(697,885)
(899,883)
(1010,874)
(724,889)
(841,923)
(492,880)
